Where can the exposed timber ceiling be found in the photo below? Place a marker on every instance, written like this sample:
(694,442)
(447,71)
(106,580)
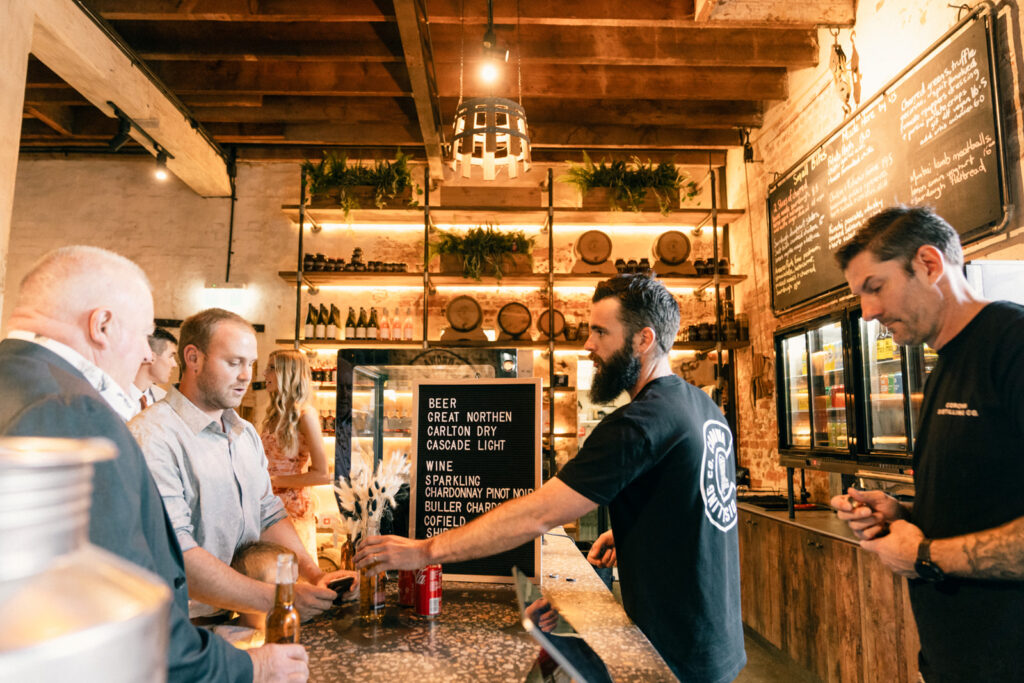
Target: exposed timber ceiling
(285,79)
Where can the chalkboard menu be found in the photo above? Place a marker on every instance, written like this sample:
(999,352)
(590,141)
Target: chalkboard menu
(476,445)
(930,137)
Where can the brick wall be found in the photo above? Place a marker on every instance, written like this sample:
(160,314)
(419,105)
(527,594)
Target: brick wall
(889,35)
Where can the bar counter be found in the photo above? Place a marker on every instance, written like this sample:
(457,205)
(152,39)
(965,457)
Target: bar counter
(477,636)
(819,521)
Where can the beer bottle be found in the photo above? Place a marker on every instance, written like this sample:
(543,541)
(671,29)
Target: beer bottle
(310,330)
(321,323)
(361,325)
(350,324)
(283,619)
(372,326)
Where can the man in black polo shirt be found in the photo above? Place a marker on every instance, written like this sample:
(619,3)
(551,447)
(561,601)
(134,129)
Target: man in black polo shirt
(961,544)
(664,464)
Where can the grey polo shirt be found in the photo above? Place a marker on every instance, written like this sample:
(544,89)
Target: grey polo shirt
(214,483)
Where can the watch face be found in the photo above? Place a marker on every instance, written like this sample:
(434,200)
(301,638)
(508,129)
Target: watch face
(928,571)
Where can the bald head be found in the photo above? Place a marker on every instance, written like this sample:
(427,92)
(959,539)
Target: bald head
(95,301)
(70,281)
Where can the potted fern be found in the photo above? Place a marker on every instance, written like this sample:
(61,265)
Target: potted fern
(635,186)
(332,182)
(483,251)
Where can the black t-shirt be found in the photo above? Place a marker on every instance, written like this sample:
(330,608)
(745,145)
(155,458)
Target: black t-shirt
(665,466)
(968,473)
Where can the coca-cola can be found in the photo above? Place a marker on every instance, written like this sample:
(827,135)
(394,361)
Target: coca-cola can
(406,588)
(428,591)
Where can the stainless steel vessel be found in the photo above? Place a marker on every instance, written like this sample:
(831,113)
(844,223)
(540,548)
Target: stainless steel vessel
(69,610)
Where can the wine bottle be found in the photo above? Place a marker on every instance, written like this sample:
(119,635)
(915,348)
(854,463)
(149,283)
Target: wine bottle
(283,619)
(321,323)
(407,330)
(396,325)
(350,324)
(310,330)
(361,325)
(385,325)
(332,323)
(372,326)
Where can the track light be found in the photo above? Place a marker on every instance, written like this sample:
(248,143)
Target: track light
(124,129)
(161,166)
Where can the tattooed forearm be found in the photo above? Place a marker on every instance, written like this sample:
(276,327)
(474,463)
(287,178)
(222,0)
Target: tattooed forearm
(996,553)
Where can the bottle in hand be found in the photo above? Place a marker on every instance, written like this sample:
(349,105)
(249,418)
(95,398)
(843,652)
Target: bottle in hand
(283,619)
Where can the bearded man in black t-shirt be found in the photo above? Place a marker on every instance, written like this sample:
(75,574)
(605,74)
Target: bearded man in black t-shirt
(664,464)
(961,544)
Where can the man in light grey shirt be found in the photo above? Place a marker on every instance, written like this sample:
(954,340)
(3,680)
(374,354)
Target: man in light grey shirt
(211,471)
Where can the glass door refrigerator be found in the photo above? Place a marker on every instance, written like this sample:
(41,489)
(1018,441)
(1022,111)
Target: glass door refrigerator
(891,379)
(849,396)
(814,373)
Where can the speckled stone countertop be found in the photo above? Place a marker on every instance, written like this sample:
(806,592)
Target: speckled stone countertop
(477,636)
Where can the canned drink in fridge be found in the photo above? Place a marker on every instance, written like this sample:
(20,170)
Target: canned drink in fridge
(897,383)
(428,591)
(406,588)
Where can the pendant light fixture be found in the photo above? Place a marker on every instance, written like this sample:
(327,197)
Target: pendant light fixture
(491,132)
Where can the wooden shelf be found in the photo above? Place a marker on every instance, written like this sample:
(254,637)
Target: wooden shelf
(538,280)
(365,279)
(334,344)
(569,216)
(697,282)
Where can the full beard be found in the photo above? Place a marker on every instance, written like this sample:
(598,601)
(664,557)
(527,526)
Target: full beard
(619,373)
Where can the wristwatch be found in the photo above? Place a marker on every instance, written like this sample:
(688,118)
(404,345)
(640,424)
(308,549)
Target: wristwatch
(925,568)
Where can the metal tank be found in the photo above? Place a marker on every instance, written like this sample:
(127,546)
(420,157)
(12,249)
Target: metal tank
(69,611)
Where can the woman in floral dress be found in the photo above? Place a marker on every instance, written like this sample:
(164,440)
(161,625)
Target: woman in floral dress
(293,441)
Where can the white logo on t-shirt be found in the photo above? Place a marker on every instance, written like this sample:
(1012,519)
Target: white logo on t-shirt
(717,466)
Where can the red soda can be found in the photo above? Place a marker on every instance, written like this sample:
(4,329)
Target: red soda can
(406,588)
(428,591)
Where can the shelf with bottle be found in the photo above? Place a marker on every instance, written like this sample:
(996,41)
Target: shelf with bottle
(367,279)
(323,325)
(695,282)
(475,214)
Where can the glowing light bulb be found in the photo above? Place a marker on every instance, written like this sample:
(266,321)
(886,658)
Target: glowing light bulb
(489,71)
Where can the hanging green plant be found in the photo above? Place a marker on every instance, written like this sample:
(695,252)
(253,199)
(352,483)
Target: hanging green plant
(334,177)
(484,250)
(629,183)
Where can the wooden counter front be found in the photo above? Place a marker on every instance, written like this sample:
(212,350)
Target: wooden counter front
(478,636)
(810,591)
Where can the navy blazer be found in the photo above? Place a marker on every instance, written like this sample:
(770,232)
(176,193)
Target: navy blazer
(41,394)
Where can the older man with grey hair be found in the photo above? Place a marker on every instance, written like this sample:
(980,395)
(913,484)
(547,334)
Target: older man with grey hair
(76,339)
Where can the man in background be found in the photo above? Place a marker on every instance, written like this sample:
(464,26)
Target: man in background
(961,544)
(144,390)
(211,471)
(665,466)
(74,346)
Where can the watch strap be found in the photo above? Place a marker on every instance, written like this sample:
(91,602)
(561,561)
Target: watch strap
(924,551)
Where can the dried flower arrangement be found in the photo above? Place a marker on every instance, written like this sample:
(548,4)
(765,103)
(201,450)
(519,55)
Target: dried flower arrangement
(363,498)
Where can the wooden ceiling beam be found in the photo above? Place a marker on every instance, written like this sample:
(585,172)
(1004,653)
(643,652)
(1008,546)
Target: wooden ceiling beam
(611,137)
(74,47)
(625,83)
(803,13)
(419,59)
(295,109)
(284,78)
(243,10)
(62,95)
(369,134)
(295,41)
(682,157)
(58,117)
(670,13)
(641,46)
